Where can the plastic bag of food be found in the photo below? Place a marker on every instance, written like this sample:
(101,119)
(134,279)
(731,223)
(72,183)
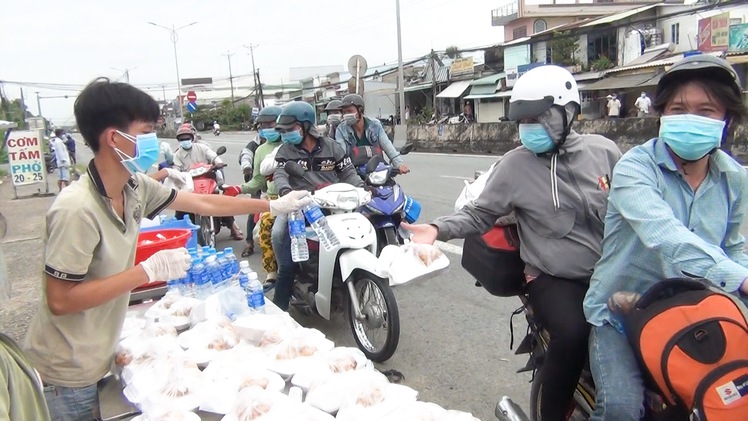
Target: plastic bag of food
(132,325)
(364,388)
(339,360)
(296,350)
(159,414)
(255,404)
(180,388)
(253,327)
(411,262)
(220,395)
(173,309)
(375,401)
(138,352)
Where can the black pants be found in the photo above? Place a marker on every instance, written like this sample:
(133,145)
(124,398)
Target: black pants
(557,304)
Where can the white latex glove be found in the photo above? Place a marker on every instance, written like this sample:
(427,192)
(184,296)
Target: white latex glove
(293,201)
(167,265)
(177,177)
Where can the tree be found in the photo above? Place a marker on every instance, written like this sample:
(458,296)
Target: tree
(563,47)
(453,52)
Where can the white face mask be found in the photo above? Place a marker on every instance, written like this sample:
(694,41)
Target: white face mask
(350,119)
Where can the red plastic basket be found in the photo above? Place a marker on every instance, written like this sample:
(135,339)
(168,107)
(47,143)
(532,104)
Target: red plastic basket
(172,238)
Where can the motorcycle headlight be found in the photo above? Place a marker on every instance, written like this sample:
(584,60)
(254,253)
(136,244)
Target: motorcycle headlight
(348,200)
(377,178)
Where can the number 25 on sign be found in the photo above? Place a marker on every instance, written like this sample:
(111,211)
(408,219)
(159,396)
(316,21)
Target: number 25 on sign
(26,158)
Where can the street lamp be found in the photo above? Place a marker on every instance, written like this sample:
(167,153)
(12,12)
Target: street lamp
(174,40)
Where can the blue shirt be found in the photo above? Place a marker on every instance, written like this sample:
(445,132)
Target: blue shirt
(657,227)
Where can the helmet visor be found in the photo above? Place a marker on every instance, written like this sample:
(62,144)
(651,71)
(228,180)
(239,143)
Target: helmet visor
(265,118)
(286,122)
(524,108)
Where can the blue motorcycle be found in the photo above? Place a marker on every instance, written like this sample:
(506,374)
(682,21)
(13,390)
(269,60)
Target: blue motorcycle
(389,205)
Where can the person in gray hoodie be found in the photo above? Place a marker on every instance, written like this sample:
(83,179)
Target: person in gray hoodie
(556,183)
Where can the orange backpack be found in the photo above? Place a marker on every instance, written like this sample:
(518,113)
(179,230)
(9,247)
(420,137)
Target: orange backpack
(692,339)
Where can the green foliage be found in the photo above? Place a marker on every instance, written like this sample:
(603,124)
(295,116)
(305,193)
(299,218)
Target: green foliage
(453,52)
(230,117)
(423,117)
(603,63)
(563,47)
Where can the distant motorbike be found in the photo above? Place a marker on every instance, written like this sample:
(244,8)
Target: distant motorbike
(217,132)
(389,205)
(207,179)
(348,273)
(50,162)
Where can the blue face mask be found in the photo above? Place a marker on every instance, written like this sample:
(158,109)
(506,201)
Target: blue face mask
(271,135)
(146,152)
(691,136)
(292,138)
(535,138)
(185,144)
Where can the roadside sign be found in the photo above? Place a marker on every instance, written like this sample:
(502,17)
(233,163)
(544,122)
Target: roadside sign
(191,96)
(357,65)
(26,157)
(191,107)
(255,112)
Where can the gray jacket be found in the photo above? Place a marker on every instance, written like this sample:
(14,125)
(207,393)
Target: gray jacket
(327,163)
(560,228)
(247,155)
(375,134)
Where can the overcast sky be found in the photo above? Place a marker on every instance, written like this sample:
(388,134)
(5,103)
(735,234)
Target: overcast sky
(71,42)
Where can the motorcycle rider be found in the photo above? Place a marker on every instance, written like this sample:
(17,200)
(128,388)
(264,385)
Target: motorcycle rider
(270,142)
(191,152)
(246,160)
(552,183)
(324,161)
(675,208)
(216,127)
(359,130)
(334,117)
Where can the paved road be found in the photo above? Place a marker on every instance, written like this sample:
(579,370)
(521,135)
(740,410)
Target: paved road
(454,345)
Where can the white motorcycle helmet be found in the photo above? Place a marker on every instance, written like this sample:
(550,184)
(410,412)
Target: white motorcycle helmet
(541,88)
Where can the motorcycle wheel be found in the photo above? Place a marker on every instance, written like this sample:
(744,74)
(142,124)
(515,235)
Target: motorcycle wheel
(377,336)
(576,411)
(207,234)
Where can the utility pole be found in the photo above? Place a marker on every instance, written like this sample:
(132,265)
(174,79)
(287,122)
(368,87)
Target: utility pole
(38,104)
(400,76)
(23,109)
(259,90)
(231,75)
(163,91)
(251,48)
(433,84)
(174,38)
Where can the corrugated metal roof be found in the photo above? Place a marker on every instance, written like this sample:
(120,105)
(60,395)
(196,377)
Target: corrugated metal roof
(483,89)
(587,76)
(621,82)
(489,80)
(502,94)
(657,63)
(418,87)
(618,16)
(649,56)
(442,75)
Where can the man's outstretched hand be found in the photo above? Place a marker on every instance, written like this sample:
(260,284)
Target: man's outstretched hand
(422,233)
(232,190)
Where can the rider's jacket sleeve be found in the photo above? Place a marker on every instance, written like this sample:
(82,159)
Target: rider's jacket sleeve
(377,132)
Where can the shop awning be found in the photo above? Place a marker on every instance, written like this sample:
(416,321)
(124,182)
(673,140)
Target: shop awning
(502,94)
(483,89)
(489,80)
(738,59)
(419,87)
(622,82)
(455,90)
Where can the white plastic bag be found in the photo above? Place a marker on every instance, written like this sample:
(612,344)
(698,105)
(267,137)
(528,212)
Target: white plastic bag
(188,185)
(471,191)
(411,262)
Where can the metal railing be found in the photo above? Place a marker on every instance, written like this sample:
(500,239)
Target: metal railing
(509,8)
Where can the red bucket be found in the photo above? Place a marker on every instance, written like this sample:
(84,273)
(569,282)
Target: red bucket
(151,242)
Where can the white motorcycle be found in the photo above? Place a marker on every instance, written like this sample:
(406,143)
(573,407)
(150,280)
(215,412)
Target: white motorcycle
(350,269)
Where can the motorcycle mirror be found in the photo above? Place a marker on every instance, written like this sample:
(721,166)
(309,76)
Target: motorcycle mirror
(294,169)
(371,166)
(406,149)
(221,150)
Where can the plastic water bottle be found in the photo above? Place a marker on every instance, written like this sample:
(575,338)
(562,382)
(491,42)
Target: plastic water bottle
(297,231)
(228,252)
(199,251)
(223,264)
(201,278)
(256,295)
(172,286)
(214,271)
(319,224)
(244,277)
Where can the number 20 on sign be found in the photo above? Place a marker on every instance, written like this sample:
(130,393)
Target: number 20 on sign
(26,158)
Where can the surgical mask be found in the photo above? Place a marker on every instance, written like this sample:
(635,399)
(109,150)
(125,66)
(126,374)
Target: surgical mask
(691,136)
(535,138)
(146,152)
(185,144)
(271,135)
(292,138)
(350,119)
(333,118)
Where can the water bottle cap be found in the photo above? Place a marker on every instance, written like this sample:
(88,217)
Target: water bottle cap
(244,264)
(228,250)
(219,254)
